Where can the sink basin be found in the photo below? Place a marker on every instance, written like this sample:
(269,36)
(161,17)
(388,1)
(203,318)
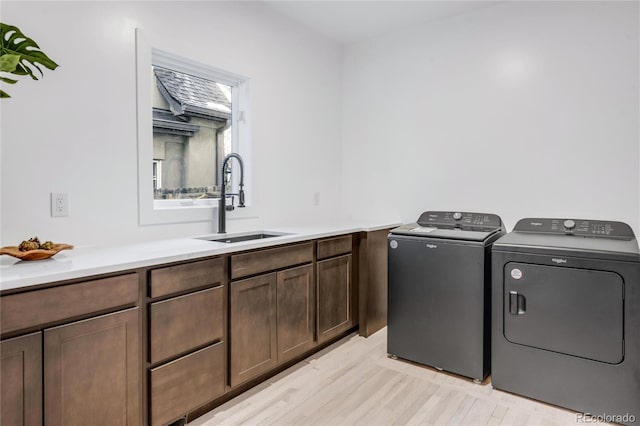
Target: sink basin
(239,238)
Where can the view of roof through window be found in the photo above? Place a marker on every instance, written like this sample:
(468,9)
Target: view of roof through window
(191,134)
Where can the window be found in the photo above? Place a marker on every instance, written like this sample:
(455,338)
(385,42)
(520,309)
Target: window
(192,133)
(157,175)
(190,115)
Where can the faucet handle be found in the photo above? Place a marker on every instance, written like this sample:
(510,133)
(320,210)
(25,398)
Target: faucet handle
(229,207)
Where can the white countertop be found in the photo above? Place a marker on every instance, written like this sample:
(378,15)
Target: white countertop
(86,261)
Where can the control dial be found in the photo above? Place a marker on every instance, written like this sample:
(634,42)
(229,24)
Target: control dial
(457,215)
(569,224)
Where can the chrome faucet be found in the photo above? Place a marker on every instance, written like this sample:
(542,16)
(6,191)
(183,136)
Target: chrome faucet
(222,204)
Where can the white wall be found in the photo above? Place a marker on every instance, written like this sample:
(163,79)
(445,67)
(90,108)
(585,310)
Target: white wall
(521,109)
(54,130)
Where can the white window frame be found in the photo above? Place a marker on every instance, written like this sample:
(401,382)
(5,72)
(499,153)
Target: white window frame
(156,212)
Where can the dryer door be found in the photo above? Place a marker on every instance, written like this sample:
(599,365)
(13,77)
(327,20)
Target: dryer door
(572,311)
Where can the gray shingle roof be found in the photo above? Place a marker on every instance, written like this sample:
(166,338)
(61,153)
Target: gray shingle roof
(191,95)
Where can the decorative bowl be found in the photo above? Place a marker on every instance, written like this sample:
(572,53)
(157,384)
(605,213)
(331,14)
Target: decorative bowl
(37,254)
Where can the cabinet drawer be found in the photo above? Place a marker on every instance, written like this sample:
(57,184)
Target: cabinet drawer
(267,260)
(174,279)
(334,246)
(187,383)
(40,307)
(186,322)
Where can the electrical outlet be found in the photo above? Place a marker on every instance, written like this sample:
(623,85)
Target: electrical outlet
(59,205)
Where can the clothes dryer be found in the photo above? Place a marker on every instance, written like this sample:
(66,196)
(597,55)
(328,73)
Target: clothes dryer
(566,315)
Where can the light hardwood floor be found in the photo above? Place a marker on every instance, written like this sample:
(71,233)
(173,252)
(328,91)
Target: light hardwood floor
(353,382)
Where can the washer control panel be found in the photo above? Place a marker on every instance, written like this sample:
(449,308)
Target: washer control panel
(462,220)
(579,227)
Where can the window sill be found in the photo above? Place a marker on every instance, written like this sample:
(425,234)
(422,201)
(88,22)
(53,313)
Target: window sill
(182,211)
(186,203)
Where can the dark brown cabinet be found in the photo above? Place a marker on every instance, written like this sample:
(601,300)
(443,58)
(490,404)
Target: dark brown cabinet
(295,312)
(332,247)
(92,371)
(270,315)
(279,316)
(372,283)
(183,323)
(252,326)
(272,320)
(72,371)
(334,297)
(271,259)
(185,384)
(152,345)
(187,337)
(187,276)
(33,309)
(21,380)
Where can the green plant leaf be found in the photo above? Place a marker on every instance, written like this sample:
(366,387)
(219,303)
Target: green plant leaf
(8,80)
(9,62)
(14,42)
(4,94)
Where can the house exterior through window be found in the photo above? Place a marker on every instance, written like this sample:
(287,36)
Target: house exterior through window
(191,134)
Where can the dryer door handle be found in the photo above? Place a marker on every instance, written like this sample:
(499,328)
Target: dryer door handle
(517,303)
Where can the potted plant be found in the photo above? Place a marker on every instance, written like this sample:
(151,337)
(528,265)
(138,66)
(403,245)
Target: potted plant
(20,55)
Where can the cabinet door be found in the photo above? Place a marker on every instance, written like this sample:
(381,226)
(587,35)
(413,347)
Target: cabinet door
(21,380)
(92,371)
(334,297)
(252,325)
(296,311)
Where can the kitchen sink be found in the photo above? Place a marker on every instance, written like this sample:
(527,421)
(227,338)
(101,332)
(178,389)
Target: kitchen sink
(240,238)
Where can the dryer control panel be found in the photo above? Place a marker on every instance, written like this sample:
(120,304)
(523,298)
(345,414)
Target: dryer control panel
(578,227)
(462,220)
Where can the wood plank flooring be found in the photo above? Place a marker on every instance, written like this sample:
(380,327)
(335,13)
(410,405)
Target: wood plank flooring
(353,382)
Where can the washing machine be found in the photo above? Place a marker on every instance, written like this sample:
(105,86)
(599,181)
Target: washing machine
(566,315)
(439,291)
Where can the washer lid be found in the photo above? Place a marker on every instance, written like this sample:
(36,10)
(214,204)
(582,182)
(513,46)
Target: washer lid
(453,225)
(415,230)
(572,237)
